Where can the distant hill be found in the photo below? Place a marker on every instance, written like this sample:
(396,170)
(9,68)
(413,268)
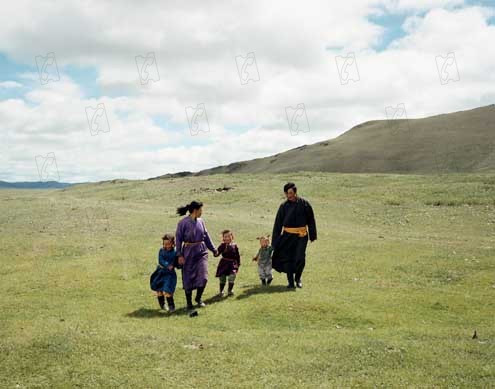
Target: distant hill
(455,142)
(34,185)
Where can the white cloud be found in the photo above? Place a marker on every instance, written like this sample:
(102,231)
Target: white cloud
(195,45)
(419,5)
(10,84)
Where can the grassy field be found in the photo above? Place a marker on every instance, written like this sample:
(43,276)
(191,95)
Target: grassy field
(401,275)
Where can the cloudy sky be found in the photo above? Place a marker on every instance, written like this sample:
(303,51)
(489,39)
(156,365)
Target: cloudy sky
(92,91)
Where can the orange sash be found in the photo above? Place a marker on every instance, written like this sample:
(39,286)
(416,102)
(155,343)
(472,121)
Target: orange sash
(301,231)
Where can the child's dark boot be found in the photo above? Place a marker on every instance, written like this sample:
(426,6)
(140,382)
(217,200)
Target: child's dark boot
(161,301)
(171,304)
(231,286)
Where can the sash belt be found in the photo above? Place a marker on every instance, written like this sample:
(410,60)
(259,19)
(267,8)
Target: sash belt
(301,231)
(191,243)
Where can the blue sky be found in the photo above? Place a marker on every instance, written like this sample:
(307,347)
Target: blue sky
(142,90)
(392,25)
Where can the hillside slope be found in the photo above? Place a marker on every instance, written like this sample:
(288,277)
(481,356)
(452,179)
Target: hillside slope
(455,142)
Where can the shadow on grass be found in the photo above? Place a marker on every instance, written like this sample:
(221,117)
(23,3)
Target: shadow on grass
(259,289)
(214,299)
(149,313)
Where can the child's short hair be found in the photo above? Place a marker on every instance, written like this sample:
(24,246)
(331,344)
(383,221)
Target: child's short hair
(169,237)
(227,232)
(261,237)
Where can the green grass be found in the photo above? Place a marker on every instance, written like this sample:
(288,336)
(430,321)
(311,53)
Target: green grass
(401,275)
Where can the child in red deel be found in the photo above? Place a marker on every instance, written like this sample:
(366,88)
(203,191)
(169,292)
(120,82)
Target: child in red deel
(228,266)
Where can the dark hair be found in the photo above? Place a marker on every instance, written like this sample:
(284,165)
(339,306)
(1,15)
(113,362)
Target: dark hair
(228,232)
(181,211)
(290,185)
(169,237)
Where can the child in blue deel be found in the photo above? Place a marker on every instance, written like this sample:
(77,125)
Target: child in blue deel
(164,279)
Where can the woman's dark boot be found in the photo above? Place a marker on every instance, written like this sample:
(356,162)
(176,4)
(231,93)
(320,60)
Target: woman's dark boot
(189,300)
(198,300)
(161,301)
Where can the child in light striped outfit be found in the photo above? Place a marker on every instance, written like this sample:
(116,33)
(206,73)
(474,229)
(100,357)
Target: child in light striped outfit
(264,259)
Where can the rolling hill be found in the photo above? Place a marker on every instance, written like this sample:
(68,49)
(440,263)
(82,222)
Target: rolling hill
(462,141)
(34,185)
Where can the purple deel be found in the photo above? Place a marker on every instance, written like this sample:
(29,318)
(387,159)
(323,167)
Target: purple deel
(195,269)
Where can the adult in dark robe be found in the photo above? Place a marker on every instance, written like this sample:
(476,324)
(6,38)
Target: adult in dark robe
(294,224)
(192,244)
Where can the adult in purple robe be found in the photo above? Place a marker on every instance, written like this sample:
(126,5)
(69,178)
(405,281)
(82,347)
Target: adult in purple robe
(192,244)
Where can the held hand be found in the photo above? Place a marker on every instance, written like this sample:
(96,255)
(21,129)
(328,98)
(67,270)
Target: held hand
(182,260)
(170,267)
(216,253)
(255,259)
